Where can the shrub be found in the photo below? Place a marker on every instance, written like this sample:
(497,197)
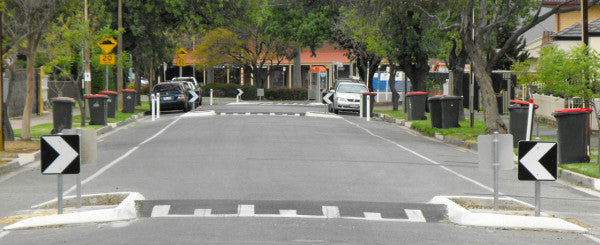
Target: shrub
(286,94)
(221,89)
(249,92)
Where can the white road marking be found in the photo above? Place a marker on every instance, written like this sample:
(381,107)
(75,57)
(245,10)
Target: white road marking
(247,113)
(223,113)
(331,211)
(372,216)
(160,210)
(202,212)
(288,213)
(297,114)
(593,238)
(103,169)
(425,158)
(246,210)
(272,114)
(415,215)
(259,114)
(4,233)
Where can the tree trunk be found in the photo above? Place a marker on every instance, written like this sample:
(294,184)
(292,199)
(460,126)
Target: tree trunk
(392,84)
(493,122)
(26,123)
(297,69)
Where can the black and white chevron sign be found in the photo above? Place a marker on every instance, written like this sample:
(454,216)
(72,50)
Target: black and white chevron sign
(60,154)
(537,160)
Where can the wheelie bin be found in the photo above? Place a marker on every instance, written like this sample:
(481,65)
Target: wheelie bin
(435,111)
(416,103)
(128,100)
(518,113)
(450,111)
(572,135)
(62,113)
(98,108)
(111,103)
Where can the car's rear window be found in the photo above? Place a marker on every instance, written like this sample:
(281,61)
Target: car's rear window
(348,88)
(164,87)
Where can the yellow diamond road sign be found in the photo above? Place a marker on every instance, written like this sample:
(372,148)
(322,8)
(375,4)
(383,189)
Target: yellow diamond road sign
(181,52)
(107,44)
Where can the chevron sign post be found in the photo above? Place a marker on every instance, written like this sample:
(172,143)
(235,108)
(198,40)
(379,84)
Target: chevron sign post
(60,155)
(537,162)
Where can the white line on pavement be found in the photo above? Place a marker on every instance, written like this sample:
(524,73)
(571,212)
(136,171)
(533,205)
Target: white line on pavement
(103,169)
(593,238)
(425,158)
(415,215)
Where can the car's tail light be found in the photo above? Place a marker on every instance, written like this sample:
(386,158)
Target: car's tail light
(181,96)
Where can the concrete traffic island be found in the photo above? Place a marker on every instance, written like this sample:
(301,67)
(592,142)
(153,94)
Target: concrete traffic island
(95,208)
(512,214)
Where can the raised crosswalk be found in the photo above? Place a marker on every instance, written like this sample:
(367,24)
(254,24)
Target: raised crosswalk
(397,212)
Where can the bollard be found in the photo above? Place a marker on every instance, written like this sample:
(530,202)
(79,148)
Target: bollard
(157,105)
(153,106)
(211,96)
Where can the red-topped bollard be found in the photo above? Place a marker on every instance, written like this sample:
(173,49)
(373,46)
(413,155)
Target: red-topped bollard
(368,101)
(111,103)
(129,100)
(572,135)
(416,103)
(518,113)
(97,105)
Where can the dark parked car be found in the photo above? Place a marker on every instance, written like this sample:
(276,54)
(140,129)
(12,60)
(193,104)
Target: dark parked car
(173,96)
(196,86)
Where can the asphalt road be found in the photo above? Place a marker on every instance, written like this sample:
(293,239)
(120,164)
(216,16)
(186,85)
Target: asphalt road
(286,170)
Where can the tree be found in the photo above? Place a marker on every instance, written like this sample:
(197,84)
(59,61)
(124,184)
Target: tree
(479,20)
(345,35)
(246,43)
(302,23)
(573,73)
(25,22)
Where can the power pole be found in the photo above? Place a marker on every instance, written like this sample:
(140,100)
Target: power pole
(1,91)
(120,57)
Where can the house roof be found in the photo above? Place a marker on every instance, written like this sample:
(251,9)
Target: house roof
(573,32)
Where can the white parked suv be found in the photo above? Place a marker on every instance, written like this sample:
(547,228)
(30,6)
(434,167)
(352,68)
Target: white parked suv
(196,88)
(346,96)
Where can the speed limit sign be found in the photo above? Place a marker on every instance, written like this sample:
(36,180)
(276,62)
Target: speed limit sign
(107,59)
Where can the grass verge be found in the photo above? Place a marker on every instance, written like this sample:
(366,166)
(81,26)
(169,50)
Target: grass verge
(465,133)
(43,129)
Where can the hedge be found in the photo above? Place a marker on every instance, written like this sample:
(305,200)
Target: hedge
(286,94)
(230,90)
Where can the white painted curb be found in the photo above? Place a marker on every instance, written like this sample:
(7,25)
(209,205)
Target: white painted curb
(459,215)
(322,115)
(199,114)
(124,211)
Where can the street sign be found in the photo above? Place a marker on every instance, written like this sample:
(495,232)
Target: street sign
(505,153)
(537,160)
(194,96)
(108,59)
(107,44)
(181,62)
(326,98)
(181,52)
(60,154)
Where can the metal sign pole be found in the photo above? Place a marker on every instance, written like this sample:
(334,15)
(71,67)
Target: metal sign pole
(78,179)
(537,197)
(496,165)
(59,201)
(106,79)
